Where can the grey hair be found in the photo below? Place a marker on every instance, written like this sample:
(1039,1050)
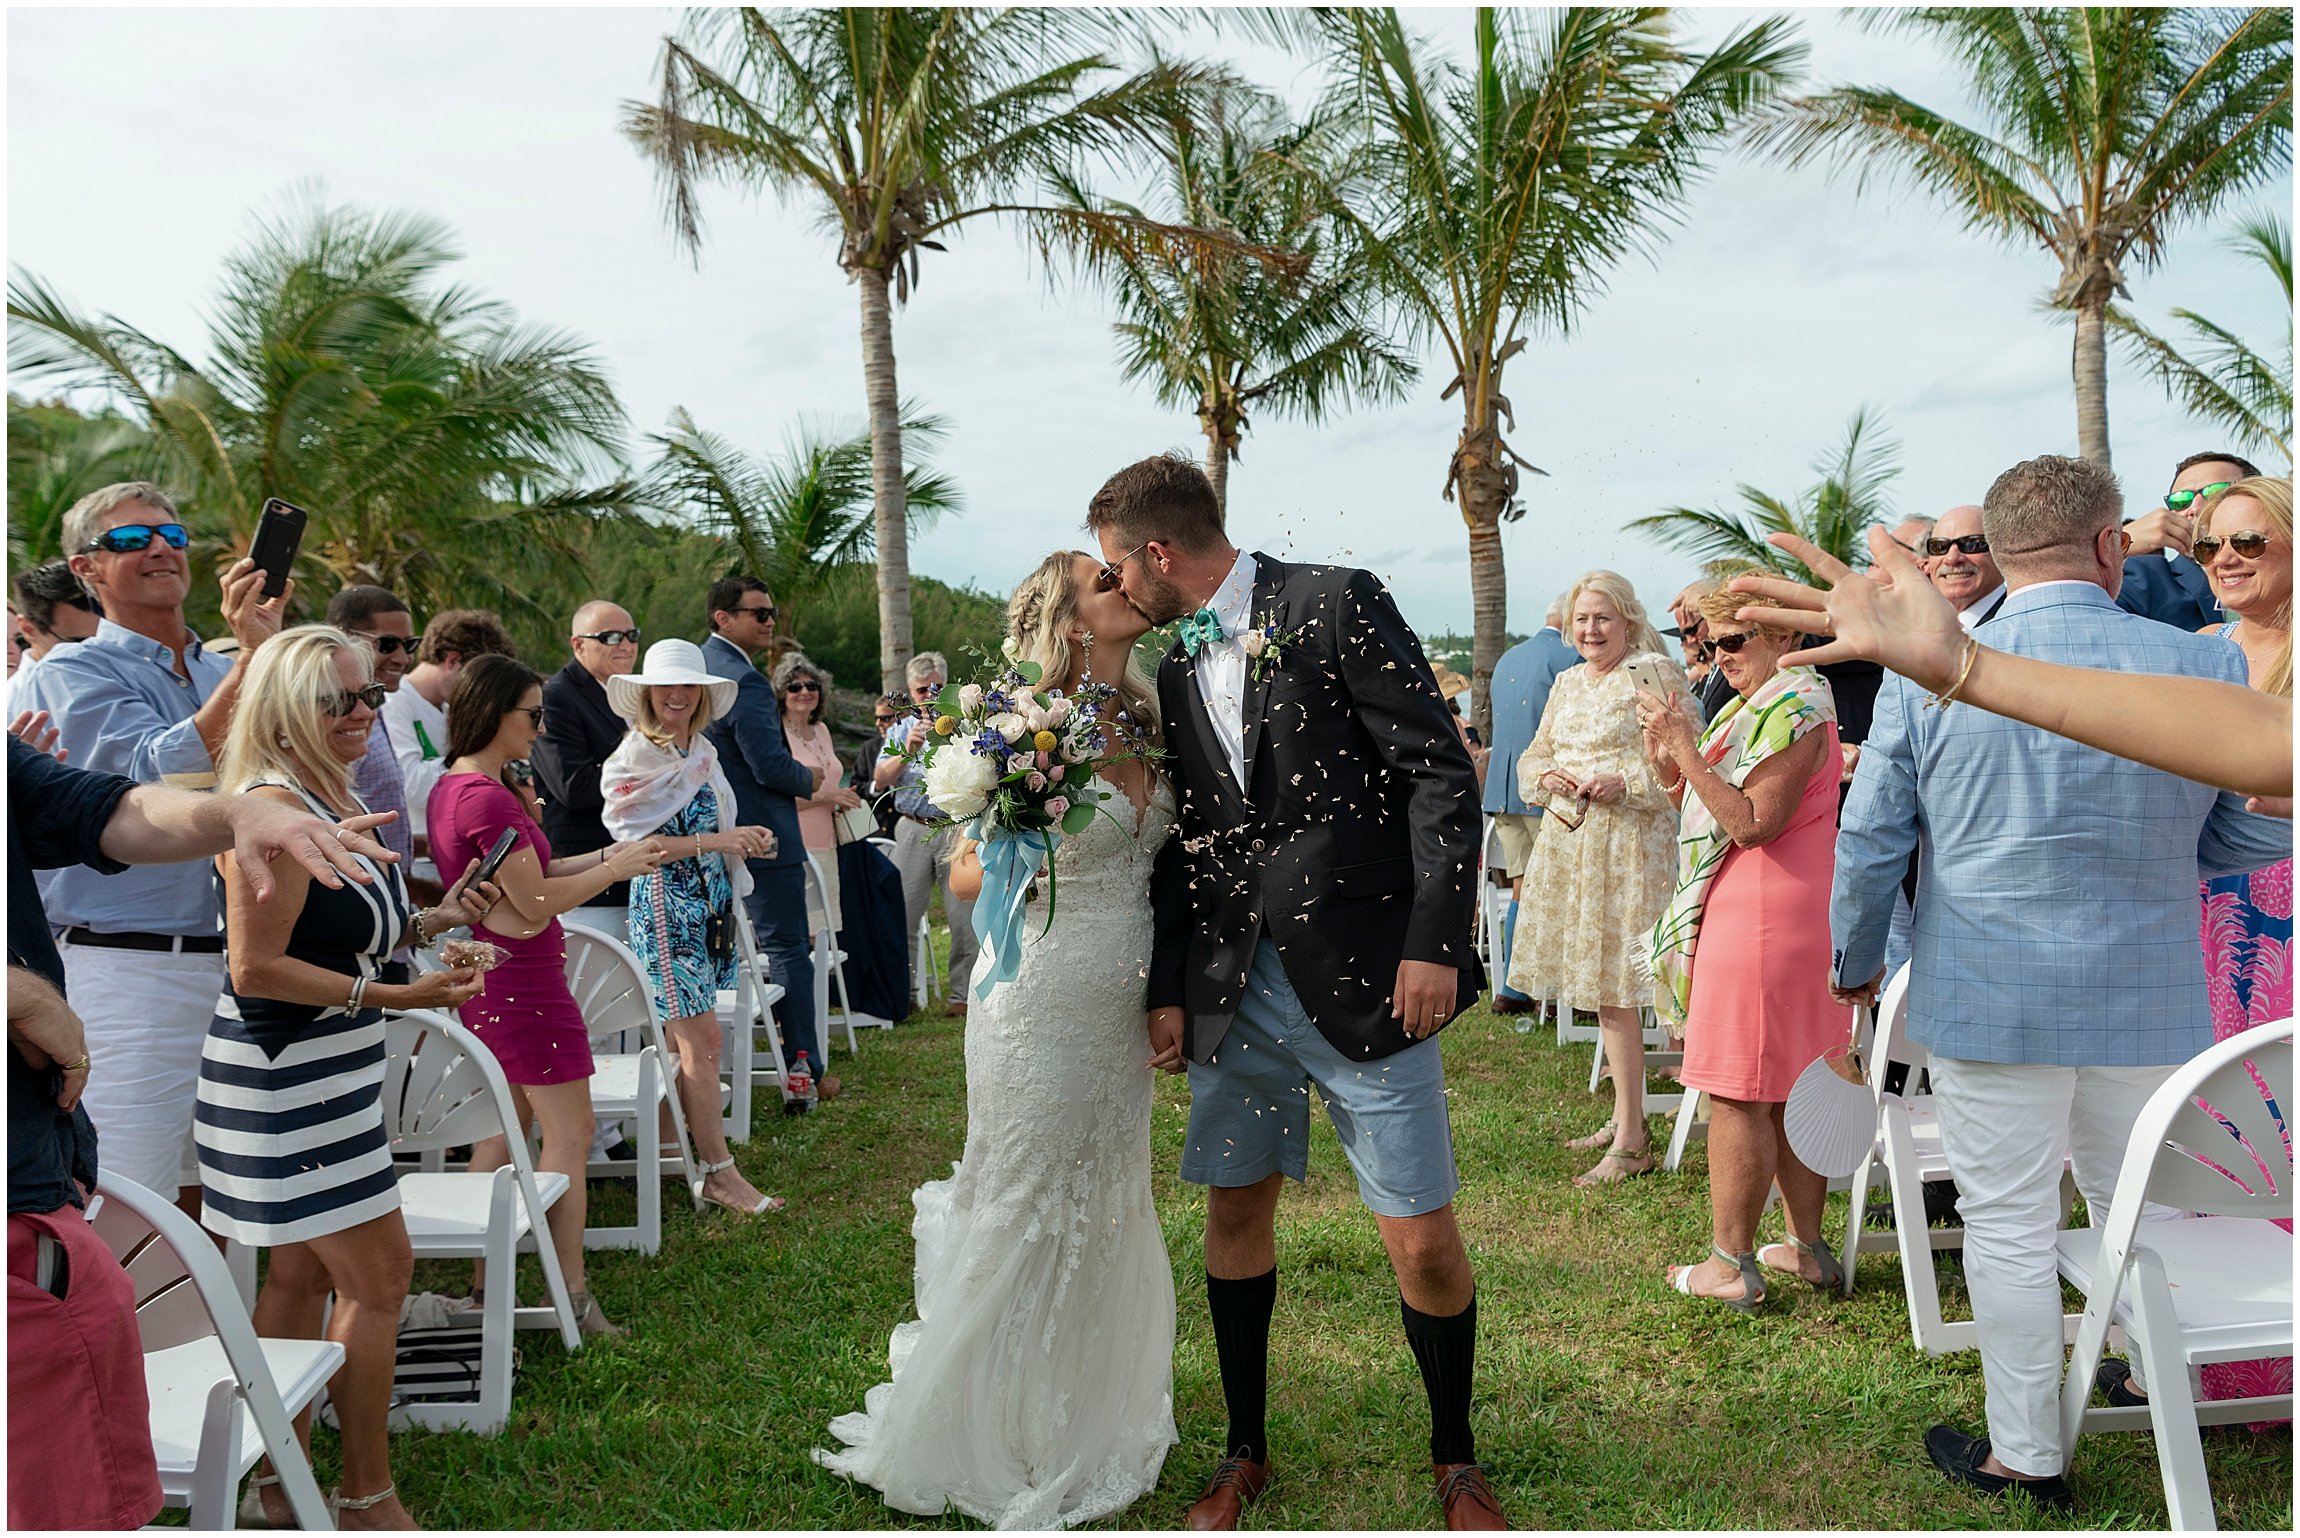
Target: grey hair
(795,664)
(2043,511)
(1554,615)
(924,666)
(83,518)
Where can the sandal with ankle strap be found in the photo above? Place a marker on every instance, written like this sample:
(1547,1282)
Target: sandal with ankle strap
(338,1503)
(1832,1271)
(706,1170)
(1624,1163)
(1752,1284)
(1598,1139)
(252,1513)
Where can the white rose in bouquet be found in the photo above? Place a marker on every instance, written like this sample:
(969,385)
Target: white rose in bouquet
(1058,711)
(959,782)
(970,697)
(1009,725)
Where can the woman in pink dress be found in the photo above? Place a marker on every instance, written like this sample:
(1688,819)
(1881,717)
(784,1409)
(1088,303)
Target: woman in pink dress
(1741,957)
(526,1014)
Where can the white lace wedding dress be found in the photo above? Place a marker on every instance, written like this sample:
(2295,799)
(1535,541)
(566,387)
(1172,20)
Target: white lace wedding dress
(1035,1388)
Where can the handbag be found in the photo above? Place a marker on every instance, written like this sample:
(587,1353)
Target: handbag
(719,935)
(855,824)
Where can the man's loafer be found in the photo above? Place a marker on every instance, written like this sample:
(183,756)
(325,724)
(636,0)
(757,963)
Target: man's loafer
(1960,1457)
(2114,1380)
(1234,1487)
(1468,1498)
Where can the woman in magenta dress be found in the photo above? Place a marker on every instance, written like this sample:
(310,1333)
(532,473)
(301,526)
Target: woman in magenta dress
(1741,957)
(526,1014)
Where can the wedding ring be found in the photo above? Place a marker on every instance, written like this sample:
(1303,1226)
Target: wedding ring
(78,1066)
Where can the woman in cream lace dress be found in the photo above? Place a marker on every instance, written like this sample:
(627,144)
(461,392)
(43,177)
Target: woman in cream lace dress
(1035,1388)
(1593,891)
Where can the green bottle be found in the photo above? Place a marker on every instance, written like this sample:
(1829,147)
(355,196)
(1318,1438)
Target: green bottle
(423,741)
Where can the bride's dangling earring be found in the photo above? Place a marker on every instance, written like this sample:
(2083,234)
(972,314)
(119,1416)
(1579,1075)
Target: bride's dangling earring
(1085,653)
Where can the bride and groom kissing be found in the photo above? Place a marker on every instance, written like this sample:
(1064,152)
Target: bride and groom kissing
(1289,914)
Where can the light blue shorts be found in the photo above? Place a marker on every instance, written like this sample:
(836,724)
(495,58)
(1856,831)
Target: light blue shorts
(1250,1106)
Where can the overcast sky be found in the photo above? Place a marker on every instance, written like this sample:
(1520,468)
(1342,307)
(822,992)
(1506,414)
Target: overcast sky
(142,142)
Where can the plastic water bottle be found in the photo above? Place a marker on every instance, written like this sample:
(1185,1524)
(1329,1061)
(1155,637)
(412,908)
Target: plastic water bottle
(801,1086)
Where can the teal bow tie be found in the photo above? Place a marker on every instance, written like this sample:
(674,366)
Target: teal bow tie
(1201,630)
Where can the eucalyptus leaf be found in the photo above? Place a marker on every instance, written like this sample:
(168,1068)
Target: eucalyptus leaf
(1079,815)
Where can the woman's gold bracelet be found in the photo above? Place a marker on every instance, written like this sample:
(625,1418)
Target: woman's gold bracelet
(1948,697)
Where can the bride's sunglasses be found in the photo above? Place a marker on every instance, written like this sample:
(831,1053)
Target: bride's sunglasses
(2251,544)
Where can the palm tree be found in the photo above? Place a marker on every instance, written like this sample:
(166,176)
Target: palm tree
(2244,390)
(900,124)
(1493,203)
(797,522)
(1834,513)
(1224,336)
(2103,131)
(442,448)
(56,456)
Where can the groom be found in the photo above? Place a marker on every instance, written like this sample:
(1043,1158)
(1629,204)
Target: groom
(1313,932)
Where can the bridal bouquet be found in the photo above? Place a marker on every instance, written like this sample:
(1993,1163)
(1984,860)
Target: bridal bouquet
(1013,765)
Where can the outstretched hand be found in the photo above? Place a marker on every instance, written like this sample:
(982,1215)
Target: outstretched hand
(1890,614)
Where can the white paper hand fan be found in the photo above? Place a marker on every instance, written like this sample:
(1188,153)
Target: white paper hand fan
(1831,1117)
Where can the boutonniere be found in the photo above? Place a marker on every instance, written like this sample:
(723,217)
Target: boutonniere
(1266,645)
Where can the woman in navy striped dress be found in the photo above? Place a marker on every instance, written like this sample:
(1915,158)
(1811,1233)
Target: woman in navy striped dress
(293,1152)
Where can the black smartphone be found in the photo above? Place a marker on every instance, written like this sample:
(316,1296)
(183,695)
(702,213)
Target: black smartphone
(279,535)
(495,857)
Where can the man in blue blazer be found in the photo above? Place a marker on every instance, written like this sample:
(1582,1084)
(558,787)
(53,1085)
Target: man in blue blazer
(2161,582)
(1520,692)
(767,779)
(2057,977)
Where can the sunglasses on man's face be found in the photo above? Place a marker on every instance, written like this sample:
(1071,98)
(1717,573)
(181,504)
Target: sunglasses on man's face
(1112,576)
(2250,544)
(886,721)
(385,645)
(763,613)
(340,704)
(619,637)
(2182,501)
(1970,544)
(131,537)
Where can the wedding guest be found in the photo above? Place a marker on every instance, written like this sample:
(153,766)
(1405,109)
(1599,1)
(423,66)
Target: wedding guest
(143,698)
(1520,689)
(377,617)
(804,690)
(1692,636)
(1741,956)
(664,784)
(51,609)
(2054,983)
(416,716)
(1606,856)
(920,853)
(1962,568)
(2162,581)
(293,1152)
(581,730)
(768,783)
(76,1393)
(525,1014)
(886,716)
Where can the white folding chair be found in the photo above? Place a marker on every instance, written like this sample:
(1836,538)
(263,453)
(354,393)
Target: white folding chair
(1492,902)
(926,972)
(2212,1287)
(442,1088)
(747,1016)
(1909,1149)
(830,965)
(221,1397)
(631,1080)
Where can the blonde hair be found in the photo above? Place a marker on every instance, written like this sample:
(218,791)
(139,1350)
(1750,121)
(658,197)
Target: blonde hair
(278,732)
(2274,493)
(1616,590)
(1719,606)
(650,725)
(1039,618)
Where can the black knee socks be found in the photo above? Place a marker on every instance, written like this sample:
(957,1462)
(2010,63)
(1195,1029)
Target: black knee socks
(1445,1349)
(1241,1310)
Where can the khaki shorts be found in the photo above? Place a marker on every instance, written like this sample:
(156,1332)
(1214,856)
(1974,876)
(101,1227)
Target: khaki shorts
(1517,830)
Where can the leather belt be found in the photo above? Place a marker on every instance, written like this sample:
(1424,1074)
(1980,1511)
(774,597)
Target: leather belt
(131,940)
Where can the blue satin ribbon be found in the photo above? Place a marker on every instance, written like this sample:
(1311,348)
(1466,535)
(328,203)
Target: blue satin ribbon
(1201,630)
(1010,861)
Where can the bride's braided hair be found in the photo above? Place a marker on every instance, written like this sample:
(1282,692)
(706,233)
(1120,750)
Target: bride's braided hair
(1040,617)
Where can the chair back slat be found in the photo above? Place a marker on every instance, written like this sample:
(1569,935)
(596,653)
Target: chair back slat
(1889,1039)
(610,990)
(169,1309)
(2228,1147)
(435,1095)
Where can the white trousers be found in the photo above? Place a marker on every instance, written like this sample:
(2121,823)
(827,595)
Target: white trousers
(147,1015)
(2005,1128)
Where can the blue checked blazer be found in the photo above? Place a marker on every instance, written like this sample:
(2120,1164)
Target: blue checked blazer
(1520,690)
(2056,911)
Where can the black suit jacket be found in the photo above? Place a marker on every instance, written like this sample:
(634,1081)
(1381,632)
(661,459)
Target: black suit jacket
(579,730)
(756,756)
(1354,843)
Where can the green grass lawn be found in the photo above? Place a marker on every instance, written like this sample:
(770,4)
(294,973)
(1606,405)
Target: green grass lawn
(1603,1399)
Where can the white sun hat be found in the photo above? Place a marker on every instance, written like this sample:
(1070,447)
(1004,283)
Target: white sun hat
(670,662)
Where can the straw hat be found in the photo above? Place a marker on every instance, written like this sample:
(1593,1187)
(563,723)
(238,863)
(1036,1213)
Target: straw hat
(1449,682)
(670,662)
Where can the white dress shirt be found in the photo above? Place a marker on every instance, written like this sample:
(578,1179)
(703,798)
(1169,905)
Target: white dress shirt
(1981,608)
(1222,667)
(404,712)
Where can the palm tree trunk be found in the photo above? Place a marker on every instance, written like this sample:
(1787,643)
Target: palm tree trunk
(2091,369)
(1218,467)
(1483,489)
(889,513)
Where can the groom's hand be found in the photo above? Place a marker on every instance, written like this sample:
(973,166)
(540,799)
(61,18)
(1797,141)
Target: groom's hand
(1425,995)
(1166,1039)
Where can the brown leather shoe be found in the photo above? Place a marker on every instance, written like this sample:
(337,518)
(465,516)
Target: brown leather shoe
(1234,1487)
(1469,1501)
(828,1087)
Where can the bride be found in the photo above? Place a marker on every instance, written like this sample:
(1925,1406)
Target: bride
(1035,1388)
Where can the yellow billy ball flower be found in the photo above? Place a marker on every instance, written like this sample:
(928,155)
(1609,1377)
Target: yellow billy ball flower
(945,725)
(1045,742)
